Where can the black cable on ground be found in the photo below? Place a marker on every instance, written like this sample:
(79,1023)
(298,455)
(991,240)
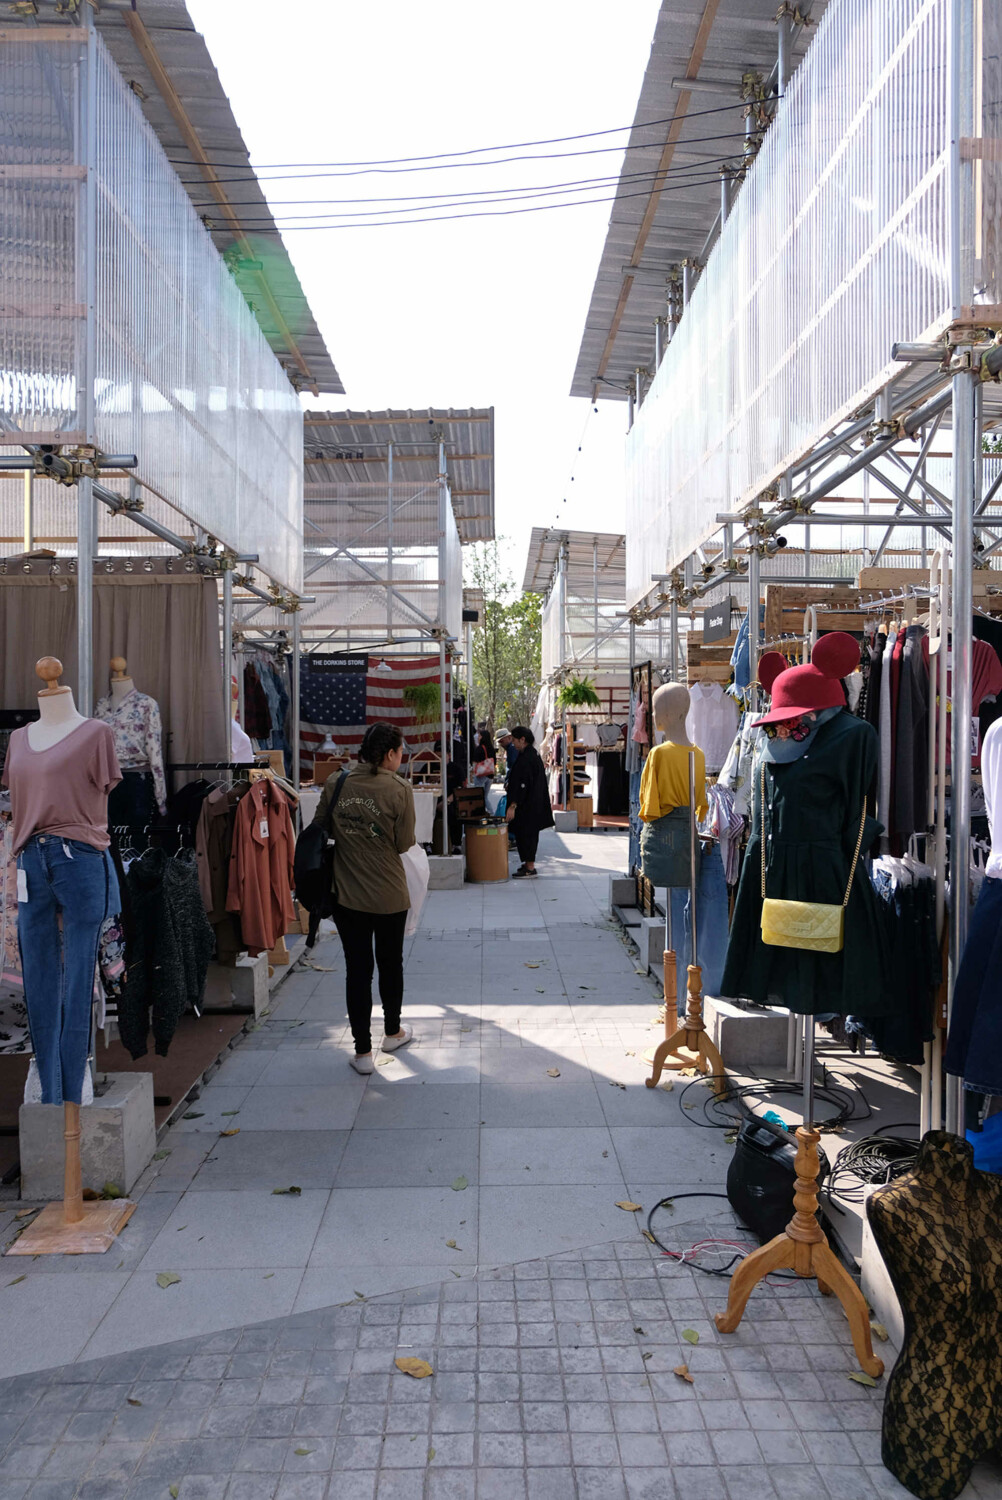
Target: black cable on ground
(875,1159)
(729,1107)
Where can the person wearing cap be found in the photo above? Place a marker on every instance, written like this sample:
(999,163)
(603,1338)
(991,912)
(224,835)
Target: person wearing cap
(814,768)
(507,744)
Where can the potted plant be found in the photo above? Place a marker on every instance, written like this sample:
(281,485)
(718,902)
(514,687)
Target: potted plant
(579,692)
(423,699)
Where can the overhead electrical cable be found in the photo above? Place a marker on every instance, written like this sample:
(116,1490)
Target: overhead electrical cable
(390,161)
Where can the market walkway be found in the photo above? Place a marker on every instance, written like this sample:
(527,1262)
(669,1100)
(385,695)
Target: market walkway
(460,1207)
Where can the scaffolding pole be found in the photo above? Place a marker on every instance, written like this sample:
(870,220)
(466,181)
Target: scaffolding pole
(87,252)
(294,706)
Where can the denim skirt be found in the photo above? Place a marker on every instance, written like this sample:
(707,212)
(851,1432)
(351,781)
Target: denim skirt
(665,857)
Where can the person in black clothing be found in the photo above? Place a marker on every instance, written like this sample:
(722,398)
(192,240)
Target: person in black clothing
(529,810)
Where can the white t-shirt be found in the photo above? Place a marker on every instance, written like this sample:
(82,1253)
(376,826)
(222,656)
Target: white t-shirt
(712,722)
(991,780)
(241,748)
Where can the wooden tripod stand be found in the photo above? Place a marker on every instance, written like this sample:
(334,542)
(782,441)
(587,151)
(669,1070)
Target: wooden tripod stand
(803,1246)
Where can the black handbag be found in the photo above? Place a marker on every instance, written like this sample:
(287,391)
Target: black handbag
(761,1174)
(313,867)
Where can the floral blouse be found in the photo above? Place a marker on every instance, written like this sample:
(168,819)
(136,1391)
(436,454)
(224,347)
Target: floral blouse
(135,724)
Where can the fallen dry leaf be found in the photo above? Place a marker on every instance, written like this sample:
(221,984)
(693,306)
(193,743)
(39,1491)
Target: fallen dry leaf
(648,1236)
(614,1085)
(646,1356)
(690,1335)
(862,1379)
(193,1114)
(131,1401)
(682,1371)
(460,1185)
(553,1072)
(451,1245)
(160,1155)
(302,1452)
(16,1280)
(167,1278)
(533,966)
(431,1454)
(234,1131)
(25,1213)
(879,1332)
(281,1192)
(667,1085)
(630,1208)
(173,1490)
(225,1112)
(418,1369)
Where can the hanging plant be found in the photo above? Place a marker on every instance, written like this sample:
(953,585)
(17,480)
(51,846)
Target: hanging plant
(422,698)
(579,692)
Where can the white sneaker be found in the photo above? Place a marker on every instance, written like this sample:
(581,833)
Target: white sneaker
(362,1064)
(392,1043)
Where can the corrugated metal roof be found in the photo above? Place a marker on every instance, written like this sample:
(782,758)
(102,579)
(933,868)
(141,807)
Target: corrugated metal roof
(655,227)
(266,275)
(584,549)
(351,448)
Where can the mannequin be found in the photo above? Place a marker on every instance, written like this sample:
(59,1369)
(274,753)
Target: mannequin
(937,1229)
(59,771)
(814,767)
(135,721)
(672,798)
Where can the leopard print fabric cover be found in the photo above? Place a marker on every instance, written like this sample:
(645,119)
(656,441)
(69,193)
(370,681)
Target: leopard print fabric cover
(938,1230)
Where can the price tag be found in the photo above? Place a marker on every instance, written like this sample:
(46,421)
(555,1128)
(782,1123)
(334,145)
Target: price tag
(22,885)
(263,827)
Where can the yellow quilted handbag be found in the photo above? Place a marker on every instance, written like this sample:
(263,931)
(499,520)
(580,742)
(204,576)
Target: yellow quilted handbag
(816,926)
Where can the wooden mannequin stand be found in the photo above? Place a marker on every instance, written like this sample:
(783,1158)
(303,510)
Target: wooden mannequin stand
(71,1227)
(699,1051)
(803,1246)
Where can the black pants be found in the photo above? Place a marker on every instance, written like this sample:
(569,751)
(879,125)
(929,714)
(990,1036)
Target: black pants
(527,839)
(359,931)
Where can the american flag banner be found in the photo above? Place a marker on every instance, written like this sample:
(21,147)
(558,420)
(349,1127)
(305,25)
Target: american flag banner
(340,695)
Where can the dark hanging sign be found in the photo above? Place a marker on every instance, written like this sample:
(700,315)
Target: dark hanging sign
(717,623)
(338,663)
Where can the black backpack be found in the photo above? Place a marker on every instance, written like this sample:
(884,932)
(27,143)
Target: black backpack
(313,867)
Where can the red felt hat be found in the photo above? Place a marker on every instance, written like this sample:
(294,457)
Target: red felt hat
(807,689)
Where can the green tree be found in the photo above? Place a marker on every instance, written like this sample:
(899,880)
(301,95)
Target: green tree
(507,642)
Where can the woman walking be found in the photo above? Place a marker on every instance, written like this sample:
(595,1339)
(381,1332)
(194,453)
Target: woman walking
(484,757)
(529,810)
(373,824)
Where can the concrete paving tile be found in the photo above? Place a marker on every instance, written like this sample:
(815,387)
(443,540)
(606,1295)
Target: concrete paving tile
(245,1230)
(204,1301)
(568,1103)
(259,1157)
(240,1067)
(414,1157)
(432,1065)
(207,1110)
(528,1063)
(324,1067)
(316,1107)
(526,1155)
(47,1319)
(520,1223)
(385,1107)
(685,1154)
(395,1226)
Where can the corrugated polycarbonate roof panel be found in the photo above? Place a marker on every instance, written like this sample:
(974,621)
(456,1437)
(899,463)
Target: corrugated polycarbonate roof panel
(345,448)
(720,40)
(588,553)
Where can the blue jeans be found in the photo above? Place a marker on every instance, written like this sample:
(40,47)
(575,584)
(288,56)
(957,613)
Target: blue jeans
(73,881)
(711,925)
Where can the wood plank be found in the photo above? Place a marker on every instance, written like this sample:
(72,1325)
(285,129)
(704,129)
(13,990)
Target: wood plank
(15,34)
(32,171)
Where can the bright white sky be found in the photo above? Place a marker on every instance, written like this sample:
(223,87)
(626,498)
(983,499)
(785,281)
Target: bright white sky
(481,312)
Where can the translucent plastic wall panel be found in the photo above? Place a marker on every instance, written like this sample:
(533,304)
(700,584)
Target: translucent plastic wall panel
(988,170)
(551,632)
(375,515)
(183,376)
(837,247)
(41,323)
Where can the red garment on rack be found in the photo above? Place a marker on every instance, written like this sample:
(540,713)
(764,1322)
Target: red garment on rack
(260,883)
(986,682)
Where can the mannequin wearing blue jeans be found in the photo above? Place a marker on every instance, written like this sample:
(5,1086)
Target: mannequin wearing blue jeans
(71,880)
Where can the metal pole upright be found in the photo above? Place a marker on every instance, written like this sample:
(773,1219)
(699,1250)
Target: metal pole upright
(294,705)
(446,736)
(29,510)
(966,456)
(784,41)
(469,696)
(754,629)
(673,639)
(227,655)
(389,541)
(86,518)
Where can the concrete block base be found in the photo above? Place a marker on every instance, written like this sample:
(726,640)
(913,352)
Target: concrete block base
(565,821)
(118,1138)
(877,1288)
(747,1040)
(445,872)
(622,891)
(650,936)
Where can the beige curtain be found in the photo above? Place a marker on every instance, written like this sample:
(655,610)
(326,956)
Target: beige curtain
(166,627)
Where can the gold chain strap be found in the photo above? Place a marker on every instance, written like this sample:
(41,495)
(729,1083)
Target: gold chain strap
(855,857)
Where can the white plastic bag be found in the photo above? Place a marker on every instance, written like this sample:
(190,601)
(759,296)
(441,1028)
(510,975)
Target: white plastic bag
(417,870)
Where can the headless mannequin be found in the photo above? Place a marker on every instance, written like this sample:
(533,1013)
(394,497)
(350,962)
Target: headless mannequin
(72,1226)
(121,684)
(671,709)
(58,711)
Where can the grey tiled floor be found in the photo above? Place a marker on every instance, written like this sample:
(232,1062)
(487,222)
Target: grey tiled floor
(552,1327)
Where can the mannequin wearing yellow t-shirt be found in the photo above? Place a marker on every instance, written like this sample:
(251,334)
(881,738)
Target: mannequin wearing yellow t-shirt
(665,782)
